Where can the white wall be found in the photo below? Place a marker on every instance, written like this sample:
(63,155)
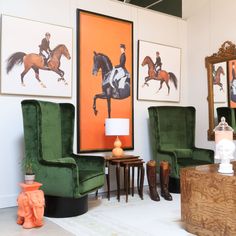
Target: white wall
(207,29)
(149,26)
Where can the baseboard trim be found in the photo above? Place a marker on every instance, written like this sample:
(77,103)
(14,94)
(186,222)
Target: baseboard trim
(8,200)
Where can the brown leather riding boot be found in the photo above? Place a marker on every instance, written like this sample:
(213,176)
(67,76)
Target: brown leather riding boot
(152,182)
(164,178)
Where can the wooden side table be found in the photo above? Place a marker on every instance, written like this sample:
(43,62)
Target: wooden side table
(111,160)
(208,200)
(30,206)
(132,162)
(127,165)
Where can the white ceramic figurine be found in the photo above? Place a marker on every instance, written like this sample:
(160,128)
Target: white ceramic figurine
(224,151)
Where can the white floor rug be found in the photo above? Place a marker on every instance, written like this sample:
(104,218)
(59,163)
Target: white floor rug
(135,218)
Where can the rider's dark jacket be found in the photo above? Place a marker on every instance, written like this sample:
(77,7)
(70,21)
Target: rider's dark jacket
(122,61)
(44,46)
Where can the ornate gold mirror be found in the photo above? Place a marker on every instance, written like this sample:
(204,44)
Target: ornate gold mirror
(219,73)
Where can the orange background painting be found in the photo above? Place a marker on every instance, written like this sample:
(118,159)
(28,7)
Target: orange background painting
(230,77)
(104,35)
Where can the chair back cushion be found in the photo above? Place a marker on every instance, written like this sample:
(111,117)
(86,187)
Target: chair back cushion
(174,126)
(67,128)
(50,130)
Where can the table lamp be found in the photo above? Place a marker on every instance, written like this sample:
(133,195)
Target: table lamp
(117,127)
(224,146)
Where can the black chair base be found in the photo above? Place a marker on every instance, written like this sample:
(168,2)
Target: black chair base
(174,185)
(60,207)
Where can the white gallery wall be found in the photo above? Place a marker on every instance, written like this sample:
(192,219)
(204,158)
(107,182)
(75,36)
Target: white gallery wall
(207,29)
(148,26)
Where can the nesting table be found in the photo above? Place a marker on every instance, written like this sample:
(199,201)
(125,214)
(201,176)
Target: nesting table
(129,162)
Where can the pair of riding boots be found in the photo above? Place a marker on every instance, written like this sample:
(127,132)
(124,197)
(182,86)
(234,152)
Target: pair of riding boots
(164,180)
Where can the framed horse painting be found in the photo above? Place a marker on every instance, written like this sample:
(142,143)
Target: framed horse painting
(35,58)
(104,79)
(158,72)
(219,75)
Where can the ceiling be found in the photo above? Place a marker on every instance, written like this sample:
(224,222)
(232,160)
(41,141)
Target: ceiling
(180,8)
(171,7)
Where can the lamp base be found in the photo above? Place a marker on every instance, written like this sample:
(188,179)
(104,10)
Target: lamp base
(117,151)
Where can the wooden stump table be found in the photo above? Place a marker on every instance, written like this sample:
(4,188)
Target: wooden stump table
(208,200)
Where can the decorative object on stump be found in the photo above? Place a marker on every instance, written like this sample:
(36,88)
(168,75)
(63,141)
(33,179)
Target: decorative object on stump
(29,173)
(30,206)
(224,146)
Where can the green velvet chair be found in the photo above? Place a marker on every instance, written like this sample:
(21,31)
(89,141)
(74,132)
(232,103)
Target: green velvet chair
(173,139)
(67,178)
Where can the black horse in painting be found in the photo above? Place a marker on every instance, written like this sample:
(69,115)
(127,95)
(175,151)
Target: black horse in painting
(122,78)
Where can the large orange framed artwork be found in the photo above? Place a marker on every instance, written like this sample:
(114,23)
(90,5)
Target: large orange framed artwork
(232,83)
(104,79)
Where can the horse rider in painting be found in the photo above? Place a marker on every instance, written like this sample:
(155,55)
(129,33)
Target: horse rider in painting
(44,48)
(158,62)
(114,80)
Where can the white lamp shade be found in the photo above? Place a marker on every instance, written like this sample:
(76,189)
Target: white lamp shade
(116,126)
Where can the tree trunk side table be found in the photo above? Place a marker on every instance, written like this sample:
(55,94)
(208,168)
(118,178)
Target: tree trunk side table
(30,206)
(208,200)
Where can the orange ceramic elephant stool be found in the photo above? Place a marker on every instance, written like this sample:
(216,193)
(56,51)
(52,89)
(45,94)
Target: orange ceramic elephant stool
(30,206)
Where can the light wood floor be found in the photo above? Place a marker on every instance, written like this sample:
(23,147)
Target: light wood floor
(8,226)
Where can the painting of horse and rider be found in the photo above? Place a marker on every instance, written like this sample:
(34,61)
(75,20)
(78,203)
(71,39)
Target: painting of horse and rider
(37,60)
(219,76)
(105,79)
(115,80)
(158,72)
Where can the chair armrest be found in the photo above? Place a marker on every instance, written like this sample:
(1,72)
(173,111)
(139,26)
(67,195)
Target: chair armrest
(203,154)
(86,162)
(170,156)
(63,171)
(61,162)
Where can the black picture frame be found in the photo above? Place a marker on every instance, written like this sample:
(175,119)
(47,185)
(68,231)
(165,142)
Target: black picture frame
(101,35)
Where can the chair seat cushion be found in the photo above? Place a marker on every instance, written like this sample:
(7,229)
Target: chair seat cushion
(90,179)
(183,153)
(184,162)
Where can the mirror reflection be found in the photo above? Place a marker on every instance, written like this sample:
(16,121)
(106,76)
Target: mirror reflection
(221,73)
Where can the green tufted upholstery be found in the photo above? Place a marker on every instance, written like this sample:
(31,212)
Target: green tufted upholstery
(173,138)
(48,135)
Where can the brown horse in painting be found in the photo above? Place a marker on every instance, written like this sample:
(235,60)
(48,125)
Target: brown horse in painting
(217,79)
(35,61)
(161,75)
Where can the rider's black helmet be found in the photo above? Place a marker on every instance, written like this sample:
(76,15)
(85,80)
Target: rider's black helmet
(122,45)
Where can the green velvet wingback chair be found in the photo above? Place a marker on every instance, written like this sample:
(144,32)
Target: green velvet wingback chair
(67,178)
(173,139)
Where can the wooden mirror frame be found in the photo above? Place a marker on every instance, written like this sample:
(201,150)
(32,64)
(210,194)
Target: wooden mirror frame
(226,53)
